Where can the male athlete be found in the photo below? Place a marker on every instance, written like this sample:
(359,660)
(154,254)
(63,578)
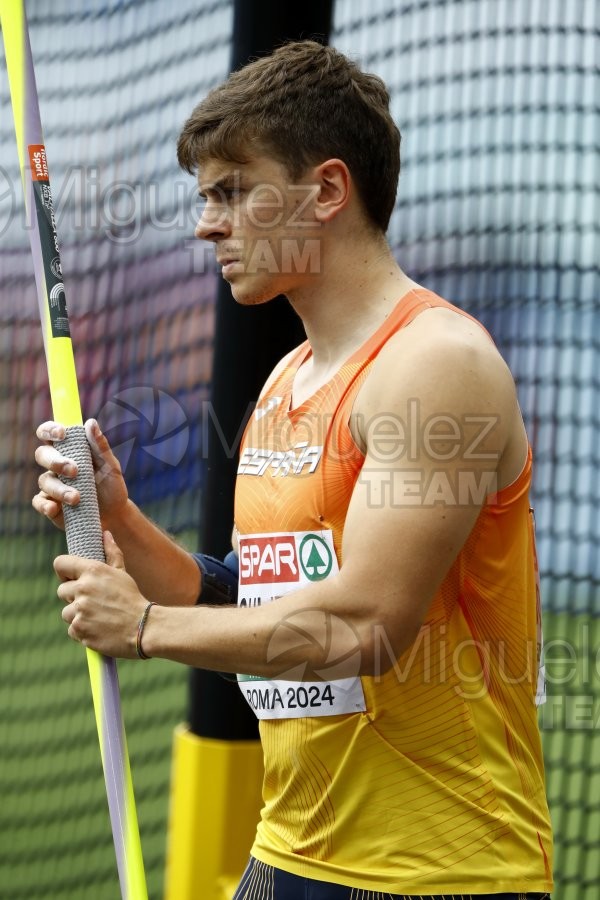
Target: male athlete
(387,627)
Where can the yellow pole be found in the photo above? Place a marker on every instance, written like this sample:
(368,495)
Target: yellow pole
(214,809)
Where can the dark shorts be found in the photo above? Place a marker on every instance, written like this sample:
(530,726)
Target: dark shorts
(262,882)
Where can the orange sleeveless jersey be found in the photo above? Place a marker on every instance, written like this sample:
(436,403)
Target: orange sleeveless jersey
(428,779)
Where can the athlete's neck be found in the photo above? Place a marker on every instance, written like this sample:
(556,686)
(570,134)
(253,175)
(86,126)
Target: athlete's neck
(355,292)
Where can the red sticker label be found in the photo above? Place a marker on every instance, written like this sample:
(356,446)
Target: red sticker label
(268,560)
(37,159)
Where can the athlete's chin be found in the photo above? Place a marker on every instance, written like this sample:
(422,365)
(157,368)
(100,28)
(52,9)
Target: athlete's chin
(251,295)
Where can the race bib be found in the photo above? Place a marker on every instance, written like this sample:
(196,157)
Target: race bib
(272,565)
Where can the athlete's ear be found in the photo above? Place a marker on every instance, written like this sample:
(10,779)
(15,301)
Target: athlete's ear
(334,182)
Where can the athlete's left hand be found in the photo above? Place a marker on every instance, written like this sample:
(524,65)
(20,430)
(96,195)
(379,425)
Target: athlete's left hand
(103,603)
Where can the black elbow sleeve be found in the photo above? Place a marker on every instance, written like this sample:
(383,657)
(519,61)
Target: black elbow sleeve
(219,585)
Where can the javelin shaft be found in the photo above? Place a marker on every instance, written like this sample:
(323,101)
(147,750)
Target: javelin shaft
(83,528)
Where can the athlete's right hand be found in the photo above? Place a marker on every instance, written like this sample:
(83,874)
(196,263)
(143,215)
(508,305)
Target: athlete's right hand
(110,484)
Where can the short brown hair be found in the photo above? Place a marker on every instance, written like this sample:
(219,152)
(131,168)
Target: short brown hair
(303,104)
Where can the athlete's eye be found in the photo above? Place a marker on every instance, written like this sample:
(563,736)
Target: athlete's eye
(231,193)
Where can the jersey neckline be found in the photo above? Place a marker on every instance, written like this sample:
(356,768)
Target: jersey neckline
(304,352)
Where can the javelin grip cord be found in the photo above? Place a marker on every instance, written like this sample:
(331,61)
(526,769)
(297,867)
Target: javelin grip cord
(82,522)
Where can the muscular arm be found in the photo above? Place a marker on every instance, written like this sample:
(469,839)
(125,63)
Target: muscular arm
(413,507)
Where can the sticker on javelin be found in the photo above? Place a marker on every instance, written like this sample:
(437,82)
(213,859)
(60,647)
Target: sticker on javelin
(55,289)
(272,565)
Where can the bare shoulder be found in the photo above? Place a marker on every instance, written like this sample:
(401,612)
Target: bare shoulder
(441,354)
(441,332)
(448,366)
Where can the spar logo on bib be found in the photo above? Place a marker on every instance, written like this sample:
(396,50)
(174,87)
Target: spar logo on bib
(270,559)
(286,560)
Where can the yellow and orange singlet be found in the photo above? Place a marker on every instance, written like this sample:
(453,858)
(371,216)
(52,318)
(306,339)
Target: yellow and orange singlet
(427,779)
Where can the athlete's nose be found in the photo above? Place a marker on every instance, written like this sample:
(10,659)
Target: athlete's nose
(214,223)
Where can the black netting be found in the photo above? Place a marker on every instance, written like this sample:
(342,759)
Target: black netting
(498,211)
(116,82)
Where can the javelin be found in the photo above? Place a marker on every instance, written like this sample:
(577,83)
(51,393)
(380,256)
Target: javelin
(82,523)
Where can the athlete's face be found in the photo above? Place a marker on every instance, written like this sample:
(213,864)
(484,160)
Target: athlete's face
(265,233)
